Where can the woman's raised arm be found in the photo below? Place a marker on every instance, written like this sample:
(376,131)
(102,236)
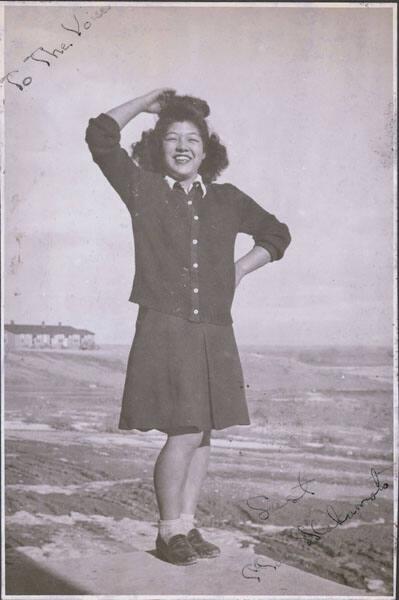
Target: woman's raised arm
(150,103)
(103,138)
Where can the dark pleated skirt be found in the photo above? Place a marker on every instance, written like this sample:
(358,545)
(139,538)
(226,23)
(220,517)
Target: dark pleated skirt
(182,376)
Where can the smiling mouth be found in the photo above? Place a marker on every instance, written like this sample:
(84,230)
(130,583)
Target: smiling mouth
(182,159)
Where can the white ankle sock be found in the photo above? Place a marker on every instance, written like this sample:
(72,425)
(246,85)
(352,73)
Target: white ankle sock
(169,528)
(187,522)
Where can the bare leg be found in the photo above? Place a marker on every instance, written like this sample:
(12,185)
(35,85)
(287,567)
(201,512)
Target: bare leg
(171,470)
(193,484)
(195,475)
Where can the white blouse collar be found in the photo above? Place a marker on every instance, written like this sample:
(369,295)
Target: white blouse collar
(172,182)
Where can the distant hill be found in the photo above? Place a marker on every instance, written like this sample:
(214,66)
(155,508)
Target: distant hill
(333,356)
(265,368)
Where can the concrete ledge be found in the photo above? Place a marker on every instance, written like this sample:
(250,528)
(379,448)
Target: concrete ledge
(142,573)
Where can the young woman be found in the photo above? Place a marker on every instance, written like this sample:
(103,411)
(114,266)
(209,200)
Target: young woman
(184,375)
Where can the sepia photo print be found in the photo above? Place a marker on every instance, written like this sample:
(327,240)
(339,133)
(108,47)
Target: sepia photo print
(198,208)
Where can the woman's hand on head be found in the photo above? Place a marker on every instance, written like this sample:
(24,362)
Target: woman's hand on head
(153,102)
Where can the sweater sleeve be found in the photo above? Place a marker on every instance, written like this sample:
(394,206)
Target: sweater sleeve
(103,138)
(266,230)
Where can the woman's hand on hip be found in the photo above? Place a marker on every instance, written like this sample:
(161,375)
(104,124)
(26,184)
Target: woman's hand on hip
(255,258)
(239,273)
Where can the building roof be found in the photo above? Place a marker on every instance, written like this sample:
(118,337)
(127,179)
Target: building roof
(46,329)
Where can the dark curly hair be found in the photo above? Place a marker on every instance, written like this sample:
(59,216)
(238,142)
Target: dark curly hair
(148,152)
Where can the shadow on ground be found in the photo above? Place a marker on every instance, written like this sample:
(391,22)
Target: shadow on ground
(26,577)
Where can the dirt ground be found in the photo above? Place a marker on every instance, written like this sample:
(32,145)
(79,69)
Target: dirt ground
(309,483)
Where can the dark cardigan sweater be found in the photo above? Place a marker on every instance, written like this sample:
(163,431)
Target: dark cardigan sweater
(184,266)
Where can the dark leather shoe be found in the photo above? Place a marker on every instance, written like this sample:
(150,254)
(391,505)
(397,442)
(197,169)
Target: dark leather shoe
(203,548)
(177,550)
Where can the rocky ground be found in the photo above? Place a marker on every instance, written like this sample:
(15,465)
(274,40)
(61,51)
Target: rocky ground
(319,454)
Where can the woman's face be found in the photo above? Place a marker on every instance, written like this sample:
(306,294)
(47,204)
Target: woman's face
(183,150)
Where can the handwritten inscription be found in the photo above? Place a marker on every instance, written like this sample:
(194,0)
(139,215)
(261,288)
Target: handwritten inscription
(315,534)
(265,507)
(311,534)
(251,570)
(46,56)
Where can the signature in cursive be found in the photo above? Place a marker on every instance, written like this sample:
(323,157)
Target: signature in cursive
(45,56)
(265,507)
(251,570)
(315,534)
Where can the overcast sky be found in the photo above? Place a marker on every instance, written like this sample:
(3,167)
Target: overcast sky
(302,98)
